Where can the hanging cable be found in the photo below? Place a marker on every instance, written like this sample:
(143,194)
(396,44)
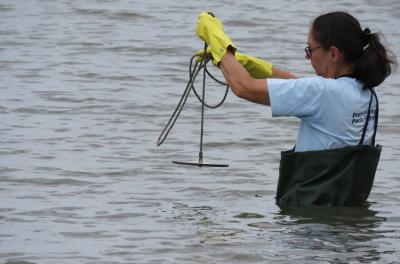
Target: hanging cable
(194,69)
(193,72)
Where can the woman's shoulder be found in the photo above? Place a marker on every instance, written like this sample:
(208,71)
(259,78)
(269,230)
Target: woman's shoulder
(302,81)
(342,84)
(314,85)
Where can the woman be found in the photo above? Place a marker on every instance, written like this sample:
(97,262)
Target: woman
(335,157)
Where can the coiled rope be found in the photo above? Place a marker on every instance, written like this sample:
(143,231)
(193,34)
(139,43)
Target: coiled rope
(194,70)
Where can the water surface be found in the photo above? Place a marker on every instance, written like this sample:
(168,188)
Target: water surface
(87,87)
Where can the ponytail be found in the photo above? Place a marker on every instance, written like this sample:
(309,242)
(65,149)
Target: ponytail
(374,65)
(361,48)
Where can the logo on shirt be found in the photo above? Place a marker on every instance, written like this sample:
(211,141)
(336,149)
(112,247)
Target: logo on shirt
(360,117)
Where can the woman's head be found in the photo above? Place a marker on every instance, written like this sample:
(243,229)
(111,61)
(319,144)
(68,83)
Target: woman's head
(360,49)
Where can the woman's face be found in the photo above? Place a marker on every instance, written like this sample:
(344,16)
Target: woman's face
(318,56)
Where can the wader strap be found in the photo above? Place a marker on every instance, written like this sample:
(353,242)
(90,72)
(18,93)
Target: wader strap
(373,94)
(376,117)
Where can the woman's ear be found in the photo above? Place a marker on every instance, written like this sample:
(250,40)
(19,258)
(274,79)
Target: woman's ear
(336,54)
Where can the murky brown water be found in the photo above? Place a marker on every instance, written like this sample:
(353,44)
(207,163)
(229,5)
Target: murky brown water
(87,87)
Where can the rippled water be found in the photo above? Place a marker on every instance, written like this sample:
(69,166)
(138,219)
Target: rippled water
(87,87)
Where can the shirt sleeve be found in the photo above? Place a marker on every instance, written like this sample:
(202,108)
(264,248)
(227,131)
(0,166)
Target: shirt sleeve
(296,97)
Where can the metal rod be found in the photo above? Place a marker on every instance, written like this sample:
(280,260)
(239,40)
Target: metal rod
(202,107)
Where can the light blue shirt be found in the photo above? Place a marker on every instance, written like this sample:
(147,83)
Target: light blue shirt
(332,112)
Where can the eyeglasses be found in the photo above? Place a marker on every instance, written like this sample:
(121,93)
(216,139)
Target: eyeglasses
(309,51)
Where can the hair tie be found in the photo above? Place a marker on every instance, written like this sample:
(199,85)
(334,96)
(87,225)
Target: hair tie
(365,37)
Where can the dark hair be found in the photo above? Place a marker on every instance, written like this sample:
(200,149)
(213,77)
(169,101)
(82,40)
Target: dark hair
(361,48)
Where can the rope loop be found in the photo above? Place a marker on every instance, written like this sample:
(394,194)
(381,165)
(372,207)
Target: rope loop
(194,69)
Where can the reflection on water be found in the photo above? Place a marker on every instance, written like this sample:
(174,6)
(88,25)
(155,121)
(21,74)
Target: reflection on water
(345,234)
(87,87)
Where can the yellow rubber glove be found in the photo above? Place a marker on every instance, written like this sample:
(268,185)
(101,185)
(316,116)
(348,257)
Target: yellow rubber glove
(211,31)
(258,68)
(200,55)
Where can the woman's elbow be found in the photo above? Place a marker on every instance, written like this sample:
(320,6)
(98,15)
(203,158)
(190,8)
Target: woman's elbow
(240,88)
(240,91)
(254,90)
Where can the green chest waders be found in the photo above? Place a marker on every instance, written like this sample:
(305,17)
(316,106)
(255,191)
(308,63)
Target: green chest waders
(334,177)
